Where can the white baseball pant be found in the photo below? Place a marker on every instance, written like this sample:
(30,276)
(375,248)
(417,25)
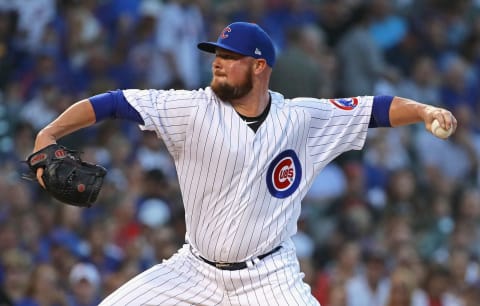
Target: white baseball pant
(185,279)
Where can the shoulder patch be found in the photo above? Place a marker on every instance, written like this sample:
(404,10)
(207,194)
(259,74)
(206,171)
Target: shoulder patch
(345,103)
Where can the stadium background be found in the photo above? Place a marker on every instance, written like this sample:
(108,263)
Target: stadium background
(395,224)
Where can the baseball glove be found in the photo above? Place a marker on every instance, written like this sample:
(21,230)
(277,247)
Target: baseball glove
(67,178)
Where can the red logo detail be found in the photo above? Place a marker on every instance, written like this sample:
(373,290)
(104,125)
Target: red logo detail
(60,153)
(224,32)
(38,158)
(345,104)
(81,187)
(284,174)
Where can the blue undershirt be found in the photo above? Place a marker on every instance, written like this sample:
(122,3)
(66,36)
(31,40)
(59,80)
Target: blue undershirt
(113,104)
(380,112)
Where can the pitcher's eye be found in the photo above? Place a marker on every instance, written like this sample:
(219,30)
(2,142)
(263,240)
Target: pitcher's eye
(229,56)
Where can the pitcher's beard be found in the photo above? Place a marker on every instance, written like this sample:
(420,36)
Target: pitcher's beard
(227,92)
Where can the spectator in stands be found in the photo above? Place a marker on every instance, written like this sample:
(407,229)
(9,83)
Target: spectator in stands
(302,57)
(361,61)
(44,288)
(371,286)
(16,266)
(402,287)
(84,285)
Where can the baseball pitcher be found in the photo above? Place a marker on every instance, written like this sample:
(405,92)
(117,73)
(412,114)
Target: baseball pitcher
(245,158)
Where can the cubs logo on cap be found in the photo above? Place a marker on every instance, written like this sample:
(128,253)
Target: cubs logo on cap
(284,174)
(243,38)
(345,103)
(225,32)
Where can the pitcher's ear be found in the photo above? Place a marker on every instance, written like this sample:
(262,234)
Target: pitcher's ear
(260,64)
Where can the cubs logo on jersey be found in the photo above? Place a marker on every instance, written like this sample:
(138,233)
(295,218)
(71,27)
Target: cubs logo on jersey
(345,103)
(284,174)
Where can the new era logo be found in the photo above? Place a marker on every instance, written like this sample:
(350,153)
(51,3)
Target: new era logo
(258,52)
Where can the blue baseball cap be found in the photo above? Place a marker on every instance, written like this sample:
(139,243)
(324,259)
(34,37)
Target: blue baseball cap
(243,38)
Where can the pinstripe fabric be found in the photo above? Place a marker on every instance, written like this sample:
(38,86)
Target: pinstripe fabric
(222,164)
(232,212)
(177,281)
(185,280)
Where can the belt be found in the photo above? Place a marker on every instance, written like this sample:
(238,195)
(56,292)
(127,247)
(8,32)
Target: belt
(232,266)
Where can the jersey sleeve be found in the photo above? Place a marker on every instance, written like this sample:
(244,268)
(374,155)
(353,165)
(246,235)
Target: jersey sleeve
(336,126)
(166,112)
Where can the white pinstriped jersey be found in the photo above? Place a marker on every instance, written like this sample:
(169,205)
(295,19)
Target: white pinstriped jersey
(242,190)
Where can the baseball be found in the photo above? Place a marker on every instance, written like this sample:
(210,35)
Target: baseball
(440,132)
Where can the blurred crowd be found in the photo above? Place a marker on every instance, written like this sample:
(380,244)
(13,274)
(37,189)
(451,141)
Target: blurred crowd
(397,224)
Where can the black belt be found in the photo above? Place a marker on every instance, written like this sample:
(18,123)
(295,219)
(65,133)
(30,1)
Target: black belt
(231,266)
